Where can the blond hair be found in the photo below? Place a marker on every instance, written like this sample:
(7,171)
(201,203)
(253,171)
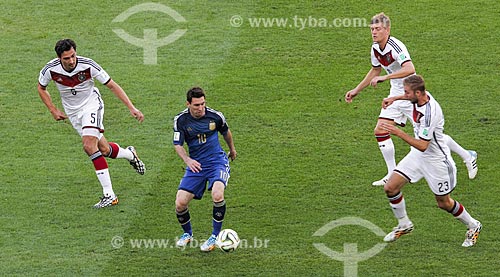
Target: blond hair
(415,82)
(381,18)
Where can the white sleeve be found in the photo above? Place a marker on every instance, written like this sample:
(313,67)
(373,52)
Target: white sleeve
(101,75)
(425,133)
(403,55)
(375,62)
(44,79)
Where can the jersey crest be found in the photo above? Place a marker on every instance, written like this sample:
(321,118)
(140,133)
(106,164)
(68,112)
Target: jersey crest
(211,125)
(385,59)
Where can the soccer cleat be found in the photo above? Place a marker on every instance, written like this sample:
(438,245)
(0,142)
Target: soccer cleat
(209,245)
(471,235)
(106,201)
(472,164)
(381,182)
(398,232)
(136,163)
(184,240)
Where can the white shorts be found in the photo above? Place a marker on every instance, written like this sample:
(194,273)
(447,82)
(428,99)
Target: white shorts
(400,111)
(441,176)
(89,120)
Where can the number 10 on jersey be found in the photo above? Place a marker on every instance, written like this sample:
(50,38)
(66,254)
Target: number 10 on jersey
(202,138)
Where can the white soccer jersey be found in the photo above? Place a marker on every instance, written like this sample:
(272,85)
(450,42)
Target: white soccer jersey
(76,87)
(391,58)
(429,126)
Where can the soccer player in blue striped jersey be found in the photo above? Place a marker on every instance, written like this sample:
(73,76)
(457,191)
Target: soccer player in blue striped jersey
(391,54)
(207,163)
(83,106)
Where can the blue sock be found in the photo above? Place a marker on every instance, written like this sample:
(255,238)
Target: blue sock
(218,212)
(184,219)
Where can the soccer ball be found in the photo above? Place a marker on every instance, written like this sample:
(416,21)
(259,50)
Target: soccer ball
(228,240)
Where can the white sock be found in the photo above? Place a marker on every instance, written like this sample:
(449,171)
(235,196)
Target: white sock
(124,153)
(455,147)
(105,180)
(388,152)
(398,206)
(404,221)
(121,153)
(463,216)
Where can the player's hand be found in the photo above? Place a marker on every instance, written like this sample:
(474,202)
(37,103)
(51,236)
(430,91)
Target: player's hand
(194,165)
(350,95)
(137,114)
(390,128)
(232,155)
(376,80)
(58,115)
(387,102)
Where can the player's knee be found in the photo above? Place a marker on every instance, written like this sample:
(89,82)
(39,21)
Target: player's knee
(377,128)
(105,150)
(217,196)
(89,149)
(180,205)
(89,145)
(218,191)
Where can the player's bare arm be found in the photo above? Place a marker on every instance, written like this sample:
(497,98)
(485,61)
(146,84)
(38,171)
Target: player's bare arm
(419,144)
(374,71)
(406,70)
(228,137)
(389,100)
(194,165)
(47,100)
(120,93)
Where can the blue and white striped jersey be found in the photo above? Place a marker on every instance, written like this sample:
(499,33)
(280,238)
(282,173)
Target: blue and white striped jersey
(201,135)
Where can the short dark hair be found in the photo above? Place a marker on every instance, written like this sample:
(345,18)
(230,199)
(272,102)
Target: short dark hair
(415,82)
(64,45)
(194,92)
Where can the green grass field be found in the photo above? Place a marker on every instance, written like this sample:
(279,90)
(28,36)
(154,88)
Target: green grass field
(306,158)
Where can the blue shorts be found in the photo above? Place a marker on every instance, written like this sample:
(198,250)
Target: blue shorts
(195,183)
